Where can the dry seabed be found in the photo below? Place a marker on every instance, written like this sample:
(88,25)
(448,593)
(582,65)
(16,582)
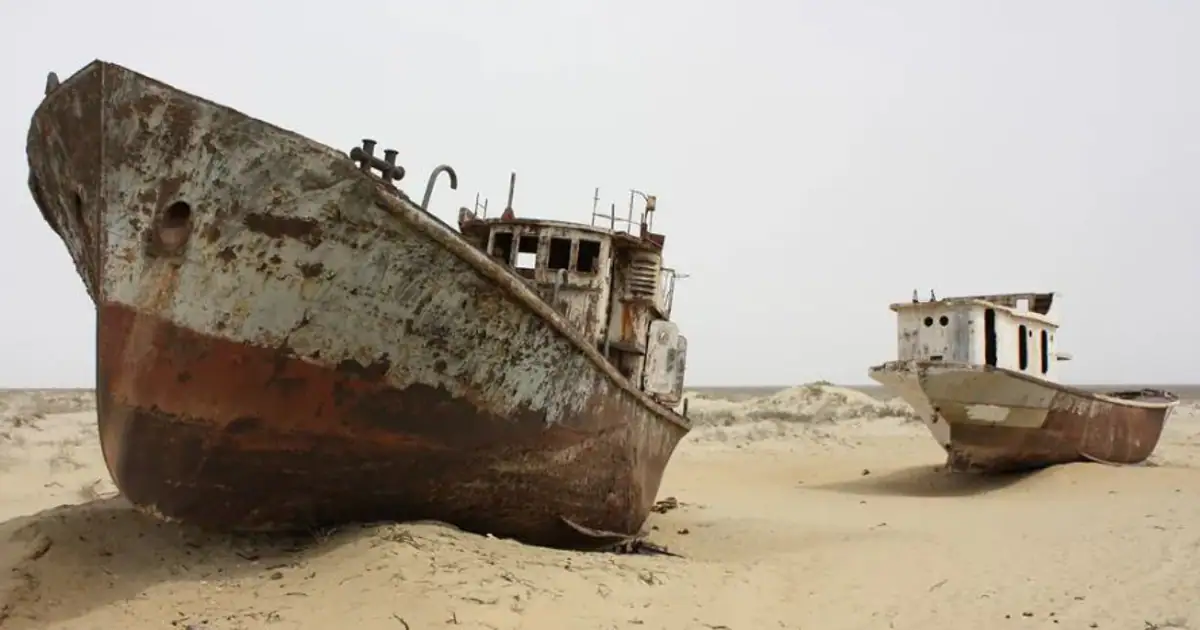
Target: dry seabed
(813,508)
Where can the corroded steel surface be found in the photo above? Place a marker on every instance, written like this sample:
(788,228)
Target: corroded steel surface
(285,343)
(997,420)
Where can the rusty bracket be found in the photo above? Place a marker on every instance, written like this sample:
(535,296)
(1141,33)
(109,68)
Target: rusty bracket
(389,171)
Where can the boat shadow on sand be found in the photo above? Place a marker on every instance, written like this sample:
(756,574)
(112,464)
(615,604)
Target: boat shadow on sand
(922,481)
(930,481)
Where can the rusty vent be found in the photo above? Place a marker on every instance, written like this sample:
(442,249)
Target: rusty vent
(643,275)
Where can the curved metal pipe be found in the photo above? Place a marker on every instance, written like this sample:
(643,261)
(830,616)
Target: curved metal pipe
(433,180)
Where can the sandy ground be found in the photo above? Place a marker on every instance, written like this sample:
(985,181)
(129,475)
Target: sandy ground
(813,508)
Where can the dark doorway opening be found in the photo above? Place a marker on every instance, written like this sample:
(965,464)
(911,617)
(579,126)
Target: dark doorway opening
(989,337)
(1022,348)
(1045,352)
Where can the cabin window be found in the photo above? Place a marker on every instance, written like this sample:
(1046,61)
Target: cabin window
(928,322)
(943,321)
(989,337)
(527,252)
(560,254)
(502,243)
(1045,352)
(1022,348)
(589,256)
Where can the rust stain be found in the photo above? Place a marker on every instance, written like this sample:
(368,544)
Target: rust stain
(213,416)
(311,270)
(211,233)
(1114,434)
(375,371)
(306,231)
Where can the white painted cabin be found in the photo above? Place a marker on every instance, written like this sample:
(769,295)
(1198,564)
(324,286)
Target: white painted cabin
(1015,331)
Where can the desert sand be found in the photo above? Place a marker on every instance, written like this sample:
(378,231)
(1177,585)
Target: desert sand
(816,507)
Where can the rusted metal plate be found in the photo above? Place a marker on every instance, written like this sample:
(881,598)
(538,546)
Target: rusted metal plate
(993,419)
(664,361)
(285,343)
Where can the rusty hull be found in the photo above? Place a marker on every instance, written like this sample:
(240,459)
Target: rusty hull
(991,419)
(286,343)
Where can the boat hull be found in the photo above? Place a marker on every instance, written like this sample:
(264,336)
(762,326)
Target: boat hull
(997,420)
(285,344)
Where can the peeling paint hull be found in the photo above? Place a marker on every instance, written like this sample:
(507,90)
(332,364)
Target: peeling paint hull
(997,420)
(302,347)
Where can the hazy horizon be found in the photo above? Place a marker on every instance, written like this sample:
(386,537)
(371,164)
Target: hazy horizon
(813,161)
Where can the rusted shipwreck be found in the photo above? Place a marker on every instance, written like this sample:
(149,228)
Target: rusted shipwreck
(981,371)
(287,341)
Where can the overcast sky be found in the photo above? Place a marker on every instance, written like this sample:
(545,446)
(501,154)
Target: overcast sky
(814,161)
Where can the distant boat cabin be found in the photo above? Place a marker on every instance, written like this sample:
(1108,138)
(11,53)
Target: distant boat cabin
(1015,331)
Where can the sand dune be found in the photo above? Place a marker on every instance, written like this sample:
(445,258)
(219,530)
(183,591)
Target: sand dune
(804,509)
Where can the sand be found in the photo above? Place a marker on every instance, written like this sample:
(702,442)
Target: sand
(812,508)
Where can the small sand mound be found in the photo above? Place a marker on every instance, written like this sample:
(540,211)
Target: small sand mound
(825,402)
(809,411)
(812,403)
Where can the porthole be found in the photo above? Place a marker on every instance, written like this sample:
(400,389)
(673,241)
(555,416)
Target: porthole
(177,215)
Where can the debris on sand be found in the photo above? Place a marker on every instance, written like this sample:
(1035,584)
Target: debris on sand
(666,505)
(613,542)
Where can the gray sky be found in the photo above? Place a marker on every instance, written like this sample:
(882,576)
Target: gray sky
(814,161)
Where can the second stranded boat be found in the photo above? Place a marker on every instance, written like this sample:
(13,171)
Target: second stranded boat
(981,371)
(287,341)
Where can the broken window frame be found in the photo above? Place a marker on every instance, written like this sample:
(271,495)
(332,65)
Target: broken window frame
(491,245)
(522,238)
(595,259)
(570,256)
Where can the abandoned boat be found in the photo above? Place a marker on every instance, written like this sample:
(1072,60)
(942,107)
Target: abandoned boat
(286,341)
(981,371)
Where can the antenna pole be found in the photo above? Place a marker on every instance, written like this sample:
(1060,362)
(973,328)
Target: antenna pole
(595,203)
(512,185)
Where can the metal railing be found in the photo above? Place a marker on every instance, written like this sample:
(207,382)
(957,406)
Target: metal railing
(627,224)
(668,276)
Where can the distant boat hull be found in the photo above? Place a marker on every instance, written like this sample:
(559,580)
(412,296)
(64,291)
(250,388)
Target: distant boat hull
(997,420)
(297,346)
